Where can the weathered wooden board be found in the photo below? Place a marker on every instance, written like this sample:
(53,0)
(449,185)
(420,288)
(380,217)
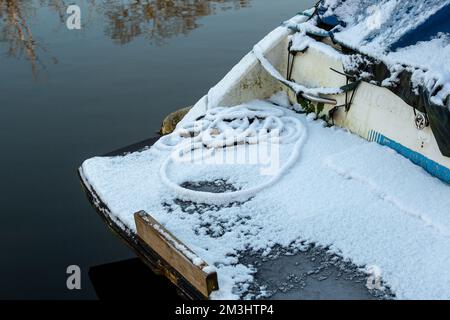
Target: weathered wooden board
(174,252)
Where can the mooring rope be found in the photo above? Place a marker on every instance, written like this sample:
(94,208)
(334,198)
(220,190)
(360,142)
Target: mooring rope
(224,127)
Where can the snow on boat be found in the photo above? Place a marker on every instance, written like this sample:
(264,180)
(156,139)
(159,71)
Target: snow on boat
(363,66)
(399,98)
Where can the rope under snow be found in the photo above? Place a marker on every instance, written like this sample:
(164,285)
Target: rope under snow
(223,127)
(297,88)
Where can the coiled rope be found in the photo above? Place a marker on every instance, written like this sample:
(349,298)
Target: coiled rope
(223,127)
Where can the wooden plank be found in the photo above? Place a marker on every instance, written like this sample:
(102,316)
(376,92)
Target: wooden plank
(138,246)
(174,252)
(155,262)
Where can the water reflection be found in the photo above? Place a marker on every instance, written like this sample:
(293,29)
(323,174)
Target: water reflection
(157,20)
(16,32)
(160,19)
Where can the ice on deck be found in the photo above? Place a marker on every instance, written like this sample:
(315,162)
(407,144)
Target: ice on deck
(369,204)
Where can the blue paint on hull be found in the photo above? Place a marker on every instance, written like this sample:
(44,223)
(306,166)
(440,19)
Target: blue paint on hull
(430,166)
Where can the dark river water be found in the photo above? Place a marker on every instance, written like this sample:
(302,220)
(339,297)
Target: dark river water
(67,95)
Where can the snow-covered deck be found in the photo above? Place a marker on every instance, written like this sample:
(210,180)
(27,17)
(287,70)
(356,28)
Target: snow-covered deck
(360,200)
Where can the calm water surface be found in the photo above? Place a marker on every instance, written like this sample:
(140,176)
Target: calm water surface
(67,95)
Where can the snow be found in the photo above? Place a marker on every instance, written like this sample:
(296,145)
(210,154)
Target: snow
(377,24)
(259,123)
(374,26)
(431,56)
(300,42)
(369,204)
(185,251)
(280,98)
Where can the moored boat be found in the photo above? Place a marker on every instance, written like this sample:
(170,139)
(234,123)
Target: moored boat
(391,97)
(335,62)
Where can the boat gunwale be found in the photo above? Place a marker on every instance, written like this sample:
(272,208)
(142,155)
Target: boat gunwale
(144,252)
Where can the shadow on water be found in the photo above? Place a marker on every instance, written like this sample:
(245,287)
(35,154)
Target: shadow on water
(156,20)
(130,280)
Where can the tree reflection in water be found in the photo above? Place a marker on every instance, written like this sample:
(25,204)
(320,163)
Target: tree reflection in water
(160,19)
(157,20)
(16,32)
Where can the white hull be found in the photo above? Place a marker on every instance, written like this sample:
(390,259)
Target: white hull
(376,113)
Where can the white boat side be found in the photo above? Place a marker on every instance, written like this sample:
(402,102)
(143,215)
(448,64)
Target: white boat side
(376,113)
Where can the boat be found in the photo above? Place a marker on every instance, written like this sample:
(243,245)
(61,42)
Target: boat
(351,64)
(376,101)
